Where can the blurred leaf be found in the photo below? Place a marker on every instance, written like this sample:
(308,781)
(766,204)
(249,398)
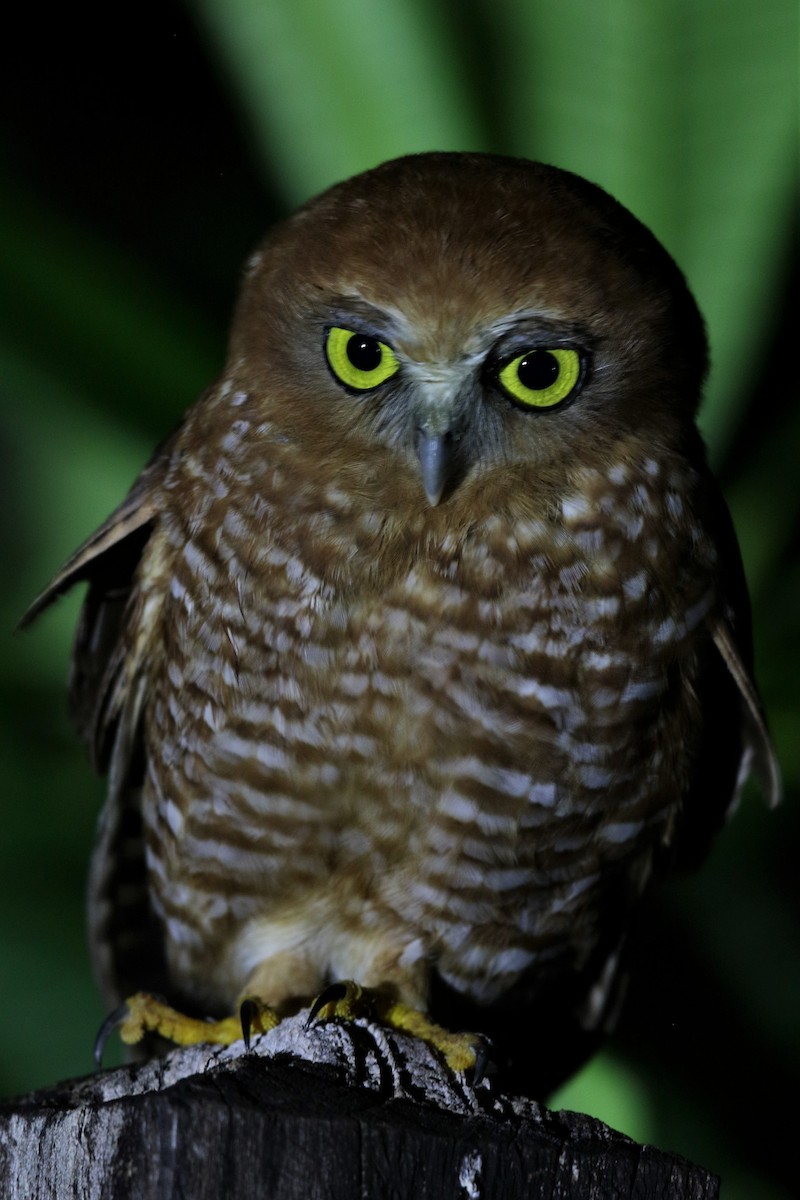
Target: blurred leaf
(685,110)
(332,89)
(68,300)
(607,1090)
(67,468)
(765,512)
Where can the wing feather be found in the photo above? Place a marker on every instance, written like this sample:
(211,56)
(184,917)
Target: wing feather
(109,678)
(107,561)
(734,742)
(758,754)
(136,511)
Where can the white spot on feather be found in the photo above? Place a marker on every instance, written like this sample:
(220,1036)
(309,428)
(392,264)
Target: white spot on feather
(623,831)
(174,818)
(635,587)
(576,508)
(674,504)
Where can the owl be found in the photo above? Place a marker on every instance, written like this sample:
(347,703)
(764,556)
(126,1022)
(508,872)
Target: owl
(421,649)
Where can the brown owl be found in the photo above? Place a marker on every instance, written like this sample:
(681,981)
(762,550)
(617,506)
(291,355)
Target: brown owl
(422,648)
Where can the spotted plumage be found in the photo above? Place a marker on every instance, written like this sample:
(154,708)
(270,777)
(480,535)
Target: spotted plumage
(422,647)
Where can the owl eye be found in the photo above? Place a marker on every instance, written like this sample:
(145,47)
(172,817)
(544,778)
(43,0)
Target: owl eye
(359,361)
(541,378)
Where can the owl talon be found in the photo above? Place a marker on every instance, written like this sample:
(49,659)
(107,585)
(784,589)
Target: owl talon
(255,1017)
(112,1022)
(247,1015)
(345,998)
(483,1057)
(464,1053)
(143,1013)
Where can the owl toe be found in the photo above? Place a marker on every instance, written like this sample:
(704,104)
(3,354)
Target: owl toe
(344,999)
(144,1014)
(465,1053)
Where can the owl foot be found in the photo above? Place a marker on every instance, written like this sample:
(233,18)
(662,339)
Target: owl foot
(463,1052)
(142,1014)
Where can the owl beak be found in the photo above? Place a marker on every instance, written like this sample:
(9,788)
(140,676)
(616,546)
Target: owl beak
(435,454)
(439,422)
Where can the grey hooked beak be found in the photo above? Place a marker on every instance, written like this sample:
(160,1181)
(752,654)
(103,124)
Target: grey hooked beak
(439,427)
(435,452)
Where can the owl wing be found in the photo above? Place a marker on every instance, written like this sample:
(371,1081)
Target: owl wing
(735,741)
(734,744)
(107,693)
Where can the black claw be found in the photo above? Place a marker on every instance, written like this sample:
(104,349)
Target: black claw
(110,1024)
(331,995)
(248,1012)
(483,1056)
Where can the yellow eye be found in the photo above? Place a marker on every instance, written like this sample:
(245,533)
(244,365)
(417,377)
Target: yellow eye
(359,361)
(541,378)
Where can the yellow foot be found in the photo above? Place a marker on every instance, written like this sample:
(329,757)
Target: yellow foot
(465,1052)
(143,1013)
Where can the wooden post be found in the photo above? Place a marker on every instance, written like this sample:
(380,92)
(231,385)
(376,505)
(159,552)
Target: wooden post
(338,1111)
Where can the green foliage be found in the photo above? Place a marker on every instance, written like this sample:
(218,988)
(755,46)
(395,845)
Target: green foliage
(111,307)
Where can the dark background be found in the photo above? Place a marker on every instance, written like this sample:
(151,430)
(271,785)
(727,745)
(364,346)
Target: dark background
(139,163)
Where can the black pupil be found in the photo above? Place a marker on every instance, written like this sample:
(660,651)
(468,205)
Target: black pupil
(538,370)
(364,352)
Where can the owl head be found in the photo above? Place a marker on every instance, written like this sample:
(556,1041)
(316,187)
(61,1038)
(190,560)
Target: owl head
(448,322)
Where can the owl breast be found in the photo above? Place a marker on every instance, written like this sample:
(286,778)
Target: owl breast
(470,754)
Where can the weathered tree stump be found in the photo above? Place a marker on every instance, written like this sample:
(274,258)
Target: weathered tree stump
(337,1111)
